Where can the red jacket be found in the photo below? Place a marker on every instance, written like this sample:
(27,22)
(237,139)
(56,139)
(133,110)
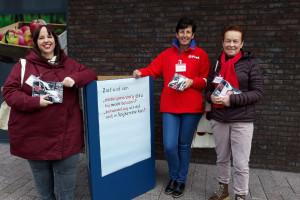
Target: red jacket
(50,133)
(197,68)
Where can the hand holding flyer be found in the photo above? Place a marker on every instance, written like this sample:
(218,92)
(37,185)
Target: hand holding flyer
(223,88)
(178,82)
(54,89)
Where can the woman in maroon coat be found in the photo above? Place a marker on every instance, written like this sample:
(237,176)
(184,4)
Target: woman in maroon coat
(49,135)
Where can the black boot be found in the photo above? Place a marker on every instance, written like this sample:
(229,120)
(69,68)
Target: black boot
(178,190)
(170,187)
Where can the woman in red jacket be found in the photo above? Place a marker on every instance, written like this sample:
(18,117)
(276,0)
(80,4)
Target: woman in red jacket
(181,109)
(49,135)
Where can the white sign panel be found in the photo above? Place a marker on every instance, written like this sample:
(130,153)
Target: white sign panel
(124,123)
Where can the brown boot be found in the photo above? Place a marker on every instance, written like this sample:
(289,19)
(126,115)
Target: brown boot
(240,197)
(222,193)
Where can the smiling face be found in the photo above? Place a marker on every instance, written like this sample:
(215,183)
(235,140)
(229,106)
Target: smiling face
(185,37)
(232,43)
(46,43)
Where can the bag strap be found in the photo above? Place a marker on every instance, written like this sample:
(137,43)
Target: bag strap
(23,63)
(207,107)
(216,65)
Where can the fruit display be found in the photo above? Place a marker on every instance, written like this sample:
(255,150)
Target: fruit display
(22,35)
(16,39)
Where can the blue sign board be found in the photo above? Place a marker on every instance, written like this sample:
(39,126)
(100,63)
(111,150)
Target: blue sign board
(119,137)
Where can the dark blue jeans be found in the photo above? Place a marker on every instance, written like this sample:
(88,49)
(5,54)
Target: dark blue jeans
(178,131)
(55,179)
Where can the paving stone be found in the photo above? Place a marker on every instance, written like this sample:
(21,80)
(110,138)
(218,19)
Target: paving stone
(86,198)
(270,187)
(199,181)
(257,192)
(159,188)
(14,186)
(287,193)
(295,184)
(162,196)
(19,193)
(28,198)
(16,182)
(147,197)
(33,192)
(254,179)
(3,195)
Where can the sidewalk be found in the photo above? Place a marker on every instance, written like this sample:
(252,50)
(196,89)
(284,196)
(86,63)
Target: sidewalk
(16,182)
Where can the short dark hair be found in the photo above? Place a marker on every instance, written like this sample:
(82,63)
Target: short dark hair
(184,23)
(57,50)
(233,27)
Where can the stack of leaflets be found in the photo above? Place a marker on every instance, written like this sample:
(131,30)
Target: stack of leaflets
(224,87)
(54,89)
(177,82)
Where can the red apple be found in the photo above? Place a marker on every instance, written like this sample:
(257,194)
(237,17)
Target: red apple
(22,41)
(16,31)
(36,23)
(25,28)
(30,42)
(2,38)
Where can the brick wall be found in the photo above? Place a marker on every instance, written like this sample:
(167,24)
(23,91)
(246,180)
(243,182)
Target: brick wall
(115,37)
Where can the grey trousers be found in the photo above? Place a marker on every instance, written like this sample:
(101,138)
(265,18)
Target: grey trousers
(233,139)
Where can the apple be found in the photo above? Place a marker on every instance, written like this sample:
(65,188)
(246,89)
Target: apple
(8,35)
(2,38)
(25,28)
(36,23)
(28,38)
(30,42)
(16,31)
(15,39)
(27,35)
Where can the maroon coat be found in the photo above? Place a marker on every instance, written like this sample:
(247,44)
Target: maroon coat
(250,80)
(50,133)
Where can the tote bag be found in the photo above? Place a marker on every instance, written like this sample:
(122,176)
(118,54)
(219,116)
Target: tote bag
(5,109)
(203,137)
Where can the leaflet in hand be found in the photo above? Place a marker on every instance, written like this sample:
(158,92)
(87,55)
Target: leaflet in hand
(54,89)
(177,82)
(224,87)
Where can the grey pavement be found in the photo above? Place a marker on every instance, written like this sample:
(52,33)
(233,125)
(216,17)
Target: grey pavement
(16,182)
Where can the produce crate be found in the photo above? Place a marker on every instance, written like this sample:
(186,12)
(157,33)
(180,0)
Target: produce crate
(18,51)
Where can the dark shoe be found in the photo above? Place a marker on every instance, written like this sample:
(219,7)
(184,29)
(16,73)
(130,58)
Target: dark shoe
(178,190)
(222,193)
(170,187)
(240,197)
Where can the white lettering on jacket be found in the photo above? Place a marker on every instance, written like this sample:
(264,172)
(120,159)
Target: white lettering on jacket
(196,57)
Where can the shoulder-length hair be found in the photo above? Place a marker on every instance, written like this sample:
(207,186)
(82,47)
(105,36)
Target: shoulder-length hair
(57,50)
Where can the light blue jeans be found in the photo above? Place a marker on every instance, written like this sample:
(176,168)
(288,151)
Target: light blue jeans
(55,179)
(178,131)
